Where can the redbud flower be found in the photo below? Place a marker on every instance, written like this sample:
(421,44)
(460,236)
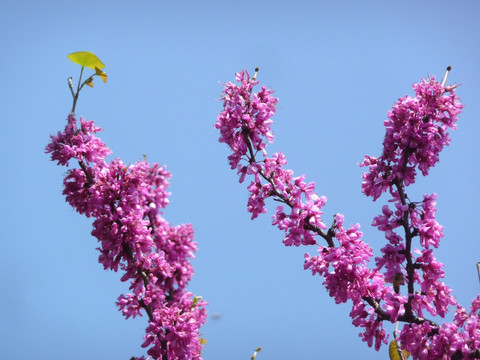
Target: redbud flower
(125,201)
(416,132)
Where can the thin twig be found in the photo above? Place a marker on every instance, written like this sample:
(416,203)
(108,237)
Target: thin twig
(446,75)
(255,353)
(256,73)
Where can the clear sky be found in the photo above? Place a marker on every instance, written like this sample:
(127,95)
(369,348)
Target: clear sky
(337,67)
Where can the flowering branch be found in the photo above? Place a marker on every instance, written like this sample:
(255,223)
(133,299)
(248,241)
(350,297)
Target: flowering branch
(125,201)
(416,132)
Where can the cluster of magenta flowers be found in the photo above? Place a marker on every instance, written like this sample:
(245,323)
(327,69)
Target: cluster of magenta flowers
(125,201)
(416,132)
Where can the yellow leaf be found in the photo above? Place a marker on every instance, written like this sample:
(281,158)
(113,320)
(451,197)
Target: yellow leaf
(394,353)
(89,82)
(196,299)
(101,74)
(86,59)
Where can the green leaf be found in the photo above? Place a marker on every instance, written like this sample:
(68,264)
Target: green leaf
(86,59)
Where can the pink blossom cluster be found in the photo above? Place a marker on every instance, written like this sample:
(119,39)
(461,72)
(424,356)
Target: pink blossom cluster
(125,201)
(300,217)
(346,277)
(416,132)
(457,340)
(245,113)
(80,144)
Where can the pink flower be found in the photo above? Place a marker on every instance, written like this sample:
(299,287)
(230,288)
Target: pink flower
(125,201)
(80,144)
(245,113)
(416,132)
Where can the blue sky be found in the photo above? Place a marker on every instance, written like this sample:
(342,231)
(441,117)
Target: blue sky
(337,68)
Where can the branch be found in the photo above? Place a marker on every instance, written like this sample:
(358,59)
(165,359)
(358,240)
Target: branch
(328,236)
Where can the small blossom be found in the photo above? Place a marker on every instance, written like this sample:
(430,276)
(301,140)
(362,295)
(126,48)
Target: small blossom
(79,144)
